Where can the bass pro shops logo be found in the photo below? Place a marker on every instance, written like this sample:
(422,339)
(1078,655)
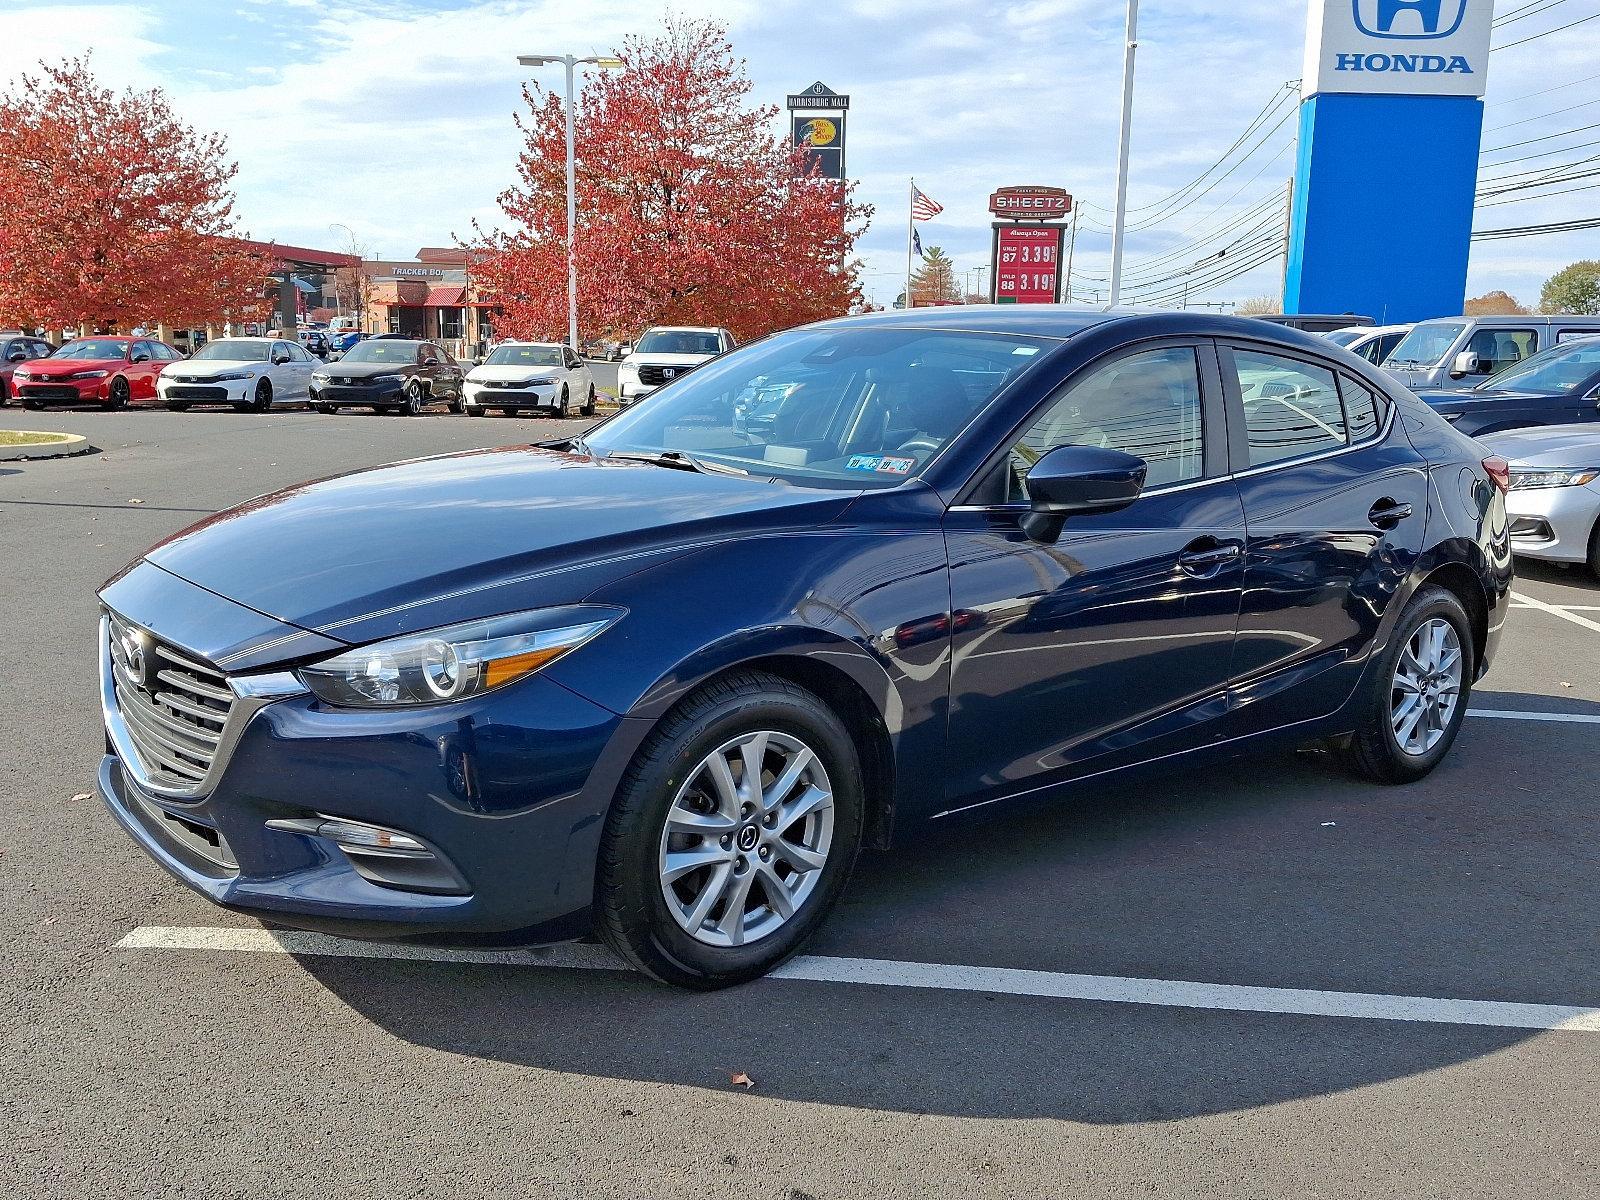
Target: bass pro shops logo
(1408,21)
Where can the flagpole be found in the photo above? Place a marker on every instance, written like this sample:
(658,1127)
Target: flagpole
(911,229)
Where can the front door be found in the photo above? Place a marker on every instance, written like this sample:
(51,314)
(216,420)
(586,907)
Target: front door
(1336,503)
(1114,642)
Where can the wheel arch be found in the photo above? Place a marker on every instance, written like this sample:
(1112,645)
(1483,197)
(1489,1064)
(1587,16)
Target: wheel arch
(1460,581)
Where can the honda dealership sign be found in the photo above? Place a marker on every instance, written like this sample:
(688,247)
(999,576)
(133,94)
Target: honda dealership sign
(1398,47)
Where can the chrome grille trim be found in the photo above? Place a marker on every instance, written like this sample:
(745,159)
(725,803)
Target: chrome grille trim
(174,741)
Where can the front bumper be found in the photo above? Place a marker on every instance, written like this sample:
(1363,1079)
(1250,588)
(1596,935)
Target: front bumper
(1553,524)
(207,391)
(544,395)
(65,391)
(508,789)
(357,394)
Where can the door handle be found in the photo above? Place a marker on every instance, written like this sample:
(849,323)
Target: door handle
(1387,513)
(1207,556)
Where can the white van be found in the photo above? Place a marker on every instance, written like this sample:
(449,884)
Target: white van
(1460,351)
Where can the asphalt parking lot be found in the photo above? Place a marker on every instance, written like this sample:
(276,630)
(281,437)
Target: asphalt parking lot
(160,1046)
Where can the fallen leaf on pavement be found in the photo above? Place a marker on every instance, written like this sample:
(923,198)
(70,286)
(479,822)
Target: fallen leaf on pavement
(136,500)
(740,1079)
(82,795)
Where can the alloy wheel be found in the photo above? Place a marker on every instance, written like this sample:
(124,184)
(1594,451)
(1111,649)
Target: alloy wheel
(1426,687)
(746,838)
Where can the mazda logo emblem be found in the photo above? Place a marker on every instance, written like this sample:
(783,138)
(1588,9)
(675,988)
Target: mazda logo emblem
(130,650)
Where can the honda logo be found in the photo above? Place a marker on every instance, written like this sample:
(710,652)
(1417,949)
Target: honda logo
(1409,20)
(668,372)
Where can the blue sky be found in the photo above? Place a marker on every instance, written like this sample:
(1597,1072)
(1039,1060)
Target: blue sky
(394,118)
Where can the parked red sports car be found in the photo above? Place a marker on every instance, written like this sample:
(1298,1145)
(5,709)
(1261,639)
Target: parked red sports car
(110,371)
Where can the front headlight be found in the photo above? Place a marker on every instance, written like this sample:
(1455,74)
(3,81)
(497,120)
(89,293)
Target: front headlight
(321,376)
(232,377)
(395,378)
(90,374)
(1555,477)
(19,373)
(628,369)
(455,662)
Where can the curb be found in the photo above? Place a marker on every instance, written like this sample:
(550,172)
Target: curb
(73,445)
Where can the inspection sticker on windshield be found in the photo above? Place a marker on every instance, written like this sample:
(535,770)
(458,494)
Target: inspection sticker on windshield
(880,462)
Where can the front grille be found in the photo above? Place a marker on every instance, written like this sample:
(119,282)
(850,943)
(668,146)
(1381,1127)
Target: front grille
(656,376)
(35,391)
(197,393)
(174,706)
(522,385)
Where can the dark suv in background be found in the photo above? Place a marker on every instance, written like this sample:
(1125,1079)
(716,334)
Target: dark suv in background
(389,373)
(16,349)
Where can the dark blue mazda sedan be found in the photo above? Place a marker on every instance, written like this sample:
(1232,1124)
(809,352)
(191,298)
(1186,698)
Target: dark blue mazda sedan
(665,680)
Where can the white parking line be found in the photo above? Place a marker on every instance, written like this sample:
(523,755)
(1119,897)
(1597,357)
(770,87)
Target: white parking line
(1113,989)
(1511,714)
(1556,611)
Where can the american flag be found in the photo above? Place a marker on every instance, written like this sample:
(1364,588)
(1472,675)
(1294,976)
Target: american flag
(923,206)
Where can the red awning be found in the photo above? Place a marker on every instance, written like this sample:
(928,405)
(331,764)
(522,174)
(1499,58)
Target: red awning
(445,297)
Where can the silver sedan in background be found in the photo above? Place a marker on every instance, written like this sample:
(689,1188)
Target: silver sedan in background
(1554,502)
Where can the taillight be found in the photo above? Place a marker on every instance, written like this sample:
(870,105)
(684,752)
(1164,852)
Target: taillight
(1499,471)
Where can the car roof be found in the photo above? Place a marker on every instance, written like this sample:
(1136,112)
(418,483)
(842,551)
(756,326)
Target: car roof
(684,329)
(1569,319)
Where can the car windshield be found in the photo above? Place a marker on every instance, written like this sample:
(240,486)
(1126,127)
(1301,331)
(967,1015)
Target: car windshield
(524,356)
(1558,370)
(382,352)
(233,350)
(1426,345)
(1343,337)
(854,408)
(93,348)
(678,341)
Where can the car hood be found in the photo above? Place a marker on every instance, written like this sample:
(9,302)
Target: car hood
(1465,399)
(668,360)
(52,368)
(212,367)
(512,373)
(1549,445)
(421,544)
(365,370)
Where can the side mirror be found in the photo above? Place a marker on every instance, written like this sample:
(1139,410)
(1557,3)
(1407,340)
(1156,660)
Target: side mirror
(1466,363)
(16,356)
(141,358)
(430,362)
(1079,479)
(279,359)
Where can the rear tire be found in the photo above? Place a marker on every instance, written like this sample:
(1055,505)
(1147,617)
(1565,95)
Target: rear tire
(177,406)
(325,409)
(1594,551)
(1375,751)
(672,774)
(477,410)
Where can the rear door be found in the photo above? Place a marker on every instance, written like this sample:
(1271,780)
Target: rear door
(1335,505)
(1114,642)
(143,369)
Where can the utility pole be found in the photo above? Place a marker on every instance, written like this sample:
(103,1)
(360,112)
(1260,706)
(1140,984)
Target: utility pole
(571,63)
(1072,242)
(1122,153)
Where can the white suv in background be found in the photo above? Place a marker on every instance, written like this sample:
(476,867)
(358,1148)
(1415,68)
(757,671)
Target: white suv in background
(665,352)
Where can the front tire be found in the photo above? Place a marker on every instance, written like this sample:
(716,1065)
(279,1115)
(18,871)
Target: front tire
(1413,706)
(588,405)
(120,393)
(414,399)
(562,412)
(263,398)
(705,881)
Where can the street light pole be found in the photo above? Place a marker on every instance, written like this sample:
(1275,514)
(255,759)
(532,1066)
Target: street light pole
(571,62)
(1122,153)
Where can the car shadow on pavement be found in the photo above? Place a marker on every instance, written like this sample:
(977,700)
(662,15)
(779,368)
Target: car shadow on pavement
(1277,871)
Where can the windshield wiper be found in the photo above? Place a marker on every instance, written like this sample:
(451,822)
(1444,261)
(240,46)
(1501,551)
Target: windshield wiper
(678,461)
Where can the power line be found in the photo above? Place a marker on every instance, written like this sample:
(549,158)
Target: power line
(1548,32)
(1520,231)
(1543,116)
(1511,162)
(1265,209)
(1546,91)
(1518,14)
(1545,138)
(1543,196)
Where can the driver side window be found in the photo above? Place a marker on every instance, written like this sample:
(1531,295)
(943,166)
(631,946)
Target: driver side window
(1147,404)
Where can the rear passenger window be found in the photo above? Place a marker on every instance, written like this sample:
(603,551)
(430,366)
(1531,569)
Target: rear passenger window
(1291,408)
(1361,413)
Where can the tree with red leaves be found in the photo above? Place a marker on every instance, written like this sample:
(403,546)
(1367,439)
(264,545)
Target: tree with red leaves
(691,208)
(115,212)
